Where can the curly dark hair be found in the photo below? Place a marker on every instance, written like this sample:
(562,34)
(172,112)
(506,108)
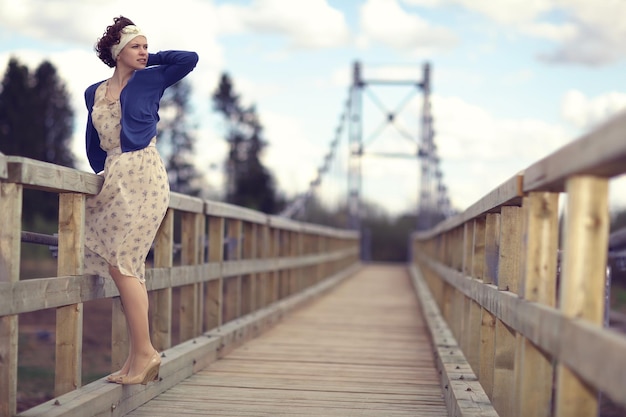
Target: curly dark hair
(110,37)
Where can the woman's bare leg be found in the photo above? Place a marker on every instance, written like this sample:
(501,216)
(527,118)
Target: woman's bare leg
(135,301)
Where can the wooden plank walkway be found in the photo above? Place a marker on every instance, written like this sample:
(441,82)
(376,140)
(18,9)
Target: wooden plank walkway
(361,350)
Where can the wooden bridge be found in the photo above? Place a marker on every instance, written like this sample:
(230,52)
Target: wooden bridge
(497,314)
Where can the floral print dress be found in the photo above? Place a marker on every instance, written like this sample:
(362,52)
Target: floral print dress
(122,220)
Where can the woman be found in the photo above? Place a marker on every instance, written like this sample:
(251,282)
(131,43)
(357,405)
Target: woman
(122,220)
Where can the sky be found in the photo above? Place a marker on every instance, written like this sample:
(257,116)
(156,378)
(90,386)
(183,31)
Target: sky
(511,80)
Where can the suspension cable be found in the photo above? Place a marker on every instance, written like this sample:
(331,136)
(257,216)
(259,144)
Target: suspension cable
(299,202)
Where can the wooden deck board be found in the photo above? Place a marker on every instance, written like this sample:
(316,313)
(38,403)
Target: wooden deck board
(362,350)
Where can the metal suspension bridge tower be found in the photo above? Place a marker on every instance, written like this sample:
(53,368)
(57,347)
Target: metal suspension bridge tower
(433,202)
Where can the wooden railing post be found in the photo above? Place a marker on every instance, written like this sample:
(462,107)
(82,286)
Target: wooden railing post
(319,244)
(264,253)
(509,270)
(232,285)
(161,300)
(294,251)
(309,274)
(201,259)
(213,302)
(69,319)
(478,249)
(581,293)
(535,376)
(248,281)
(10,248)
(488,320)
(191,241)
(456,262)
(475,232)
(284,274)
(275,253)
(298,250)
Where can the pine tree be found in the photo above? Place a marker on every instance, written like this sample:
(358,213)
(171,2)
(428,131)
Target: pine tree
(54,116)
(36,122)
(17,135)
(176,140)
(35,114)
(250,184)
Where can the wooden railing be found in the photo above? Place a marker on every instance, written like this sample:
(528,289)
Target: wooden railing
(238,272)
(528,321)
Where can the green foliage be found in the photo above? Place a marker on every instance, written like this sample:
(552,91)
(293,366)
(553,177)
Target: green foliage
(388,236)
(53,116)
(385,237)
(315,212)
(17,136)
(618,220)
(36,121)
(249,182)
(35,114)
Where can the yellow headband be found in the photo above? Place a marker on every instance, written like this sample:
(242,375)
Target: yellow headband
(129,33)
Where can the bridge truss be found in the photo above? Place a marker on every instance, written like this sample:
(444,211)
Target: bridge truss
(433,202)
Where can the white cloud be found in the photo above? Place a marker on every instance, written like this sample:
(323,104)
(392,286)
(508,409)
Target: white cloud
(565,32)
(582,32)
(385,22)
(601,32)
(49,22)
(292,154)
(306,24)
(479,152)
(254,92)
(506,12)
(510,11)
(585,113)
(466,131)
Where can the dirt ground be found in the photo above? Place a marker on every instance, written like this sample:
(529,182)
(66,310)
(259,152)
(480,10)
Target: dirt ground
(36,351)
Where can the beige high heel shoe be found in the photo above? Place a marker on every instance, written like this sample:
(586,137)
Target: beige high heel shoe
(114,376)
(149,373)
(117,375)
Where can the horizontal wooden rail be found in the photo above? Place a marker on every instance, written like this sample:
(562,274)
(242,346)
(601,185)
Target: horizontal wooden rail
(230,263)
(508,193)
(25,296)
(526,302)
(601,153)
(599,354)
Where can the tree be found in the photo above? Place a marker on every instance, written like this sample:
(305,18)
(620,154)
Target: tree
(176,140)
(54,118)
(249,183)
(35,114)
(16,128)
(36,122)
